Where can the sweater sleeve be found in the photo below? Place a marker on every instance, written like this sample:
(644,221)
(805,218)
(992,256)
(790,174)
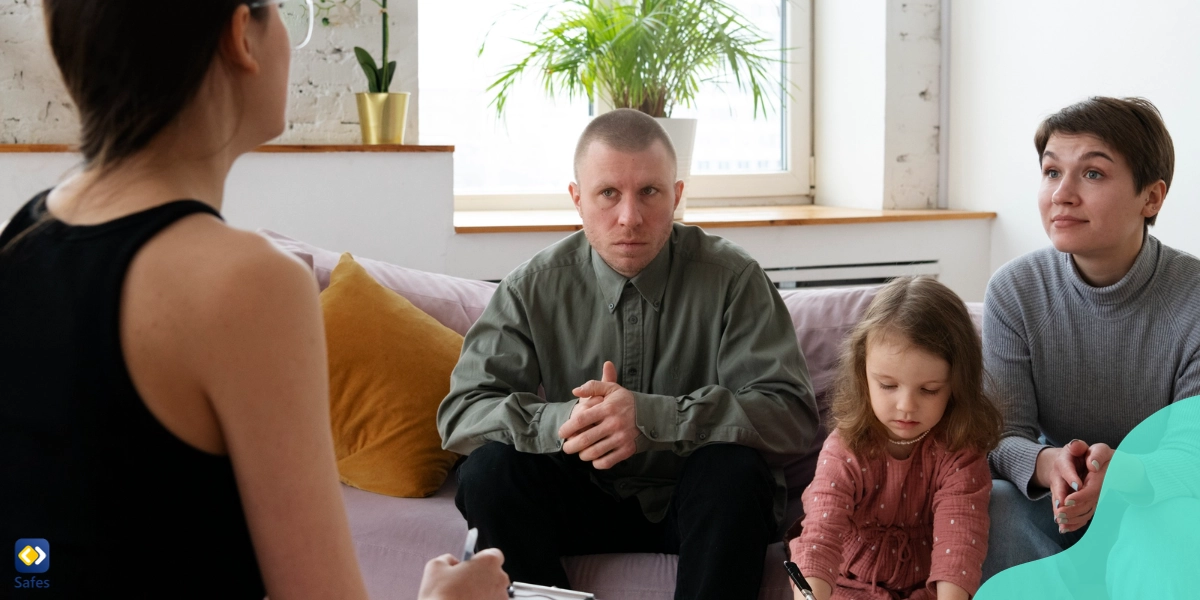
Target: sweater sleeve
(828,512)
(1007,361)
(960,521)
(1187,383)
(1170,471)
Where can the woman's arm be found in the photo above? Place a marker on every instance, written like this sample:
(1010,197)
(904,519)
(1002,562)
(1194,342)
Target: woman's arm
(261,362)
(1009,366)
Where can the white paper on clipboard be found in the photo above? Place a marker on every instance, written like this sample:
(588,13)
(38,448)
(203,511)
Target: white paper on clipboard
(537,592)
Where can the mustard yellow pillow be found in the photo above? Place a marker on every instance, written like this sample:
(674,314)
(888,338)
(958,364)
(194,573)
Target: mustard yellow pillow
(389,367)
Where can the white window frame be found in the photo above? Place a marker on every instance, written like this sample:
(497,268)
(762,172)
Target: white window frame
(791,186)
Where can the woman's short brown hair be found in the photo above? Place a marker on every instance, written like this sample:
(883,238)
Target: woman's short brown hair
(931,317)
(1132,127)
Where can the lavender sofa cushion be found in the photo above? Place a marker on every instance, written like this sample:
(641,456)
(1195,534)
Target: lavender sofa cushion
(455,302)
(394,537)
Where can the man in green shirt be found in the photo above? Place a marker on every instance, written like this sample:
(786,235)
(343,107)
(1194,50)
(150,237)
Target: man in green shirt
(699,371)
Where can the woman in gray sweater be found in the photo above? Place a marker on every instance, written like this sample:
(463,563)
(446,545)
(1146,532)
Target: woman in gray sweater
(1085,339)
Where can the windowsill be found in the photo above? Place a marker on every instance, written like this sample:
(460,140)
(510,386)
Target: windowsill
(524,221)
(292,148)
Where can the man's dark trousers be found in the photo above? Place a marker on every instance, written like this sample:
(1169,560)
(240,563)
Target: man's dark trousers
(537,508)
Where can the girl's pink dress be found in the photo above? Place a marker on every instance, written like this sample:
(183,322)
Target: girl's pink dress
(888,529)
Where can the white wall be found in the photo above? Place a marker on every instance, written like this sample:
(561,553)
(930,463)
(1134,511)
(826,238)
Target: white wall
(394,206)
(849,82)
(406,217)
(1015,62)
(876,102)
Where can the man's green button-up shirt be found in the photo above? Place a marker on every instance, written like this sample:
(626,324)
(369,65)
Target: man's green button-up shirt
(700,336)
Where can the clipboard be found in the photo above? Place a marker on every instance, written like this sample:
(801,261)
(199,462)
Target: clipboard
(537,592)
(525,590)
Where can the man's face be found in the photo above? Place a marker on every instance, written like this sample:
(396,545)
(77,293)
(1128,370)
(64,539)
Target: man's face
(626,201)
(1089,204)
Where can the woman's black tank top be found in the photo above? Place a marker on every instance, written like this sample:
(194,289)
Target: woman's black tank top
(124,508)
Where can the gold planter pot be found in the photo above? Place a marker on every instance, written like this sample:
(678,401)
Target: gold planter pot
(382,117)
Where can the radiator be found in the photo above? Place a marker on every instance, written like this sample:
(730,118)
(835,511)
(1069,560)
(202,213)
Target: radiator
(849,274)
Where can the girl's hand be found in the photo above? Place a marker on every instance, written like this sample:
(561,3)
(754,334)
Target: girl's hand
(1079,507)
(950,591)
(822,590)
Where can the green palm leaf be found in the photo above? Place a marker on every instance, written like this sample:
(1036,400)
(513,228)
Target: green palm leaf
(645,54)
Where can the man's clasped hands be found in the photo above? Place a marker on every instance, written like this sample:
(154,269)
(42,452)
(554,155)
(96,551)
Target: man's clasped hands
(602,428)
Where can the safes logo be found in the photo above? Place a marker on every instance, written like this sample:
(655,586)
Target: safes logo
(32,555)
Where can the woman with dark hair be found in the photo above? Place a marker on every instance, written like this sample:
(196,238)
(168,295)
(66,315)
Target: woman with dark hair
(1087,338)
(163,381)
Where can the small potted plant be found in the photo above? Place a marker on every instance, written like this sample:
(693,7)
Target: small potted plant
(650,55)
(381,112)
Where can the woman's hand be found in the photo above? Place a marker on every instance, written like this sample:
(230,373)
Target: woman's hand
(481,578)
(1074,474)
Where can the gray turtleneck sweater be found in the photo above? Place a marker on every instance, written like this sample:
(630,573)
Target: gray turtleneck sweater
(1069,360)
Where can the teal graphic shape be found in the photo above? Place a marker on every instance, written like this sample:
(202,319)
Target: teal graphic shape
(1144,540)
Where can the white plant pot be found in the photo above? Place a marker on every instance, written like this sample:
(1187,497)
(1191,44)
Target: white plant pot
(683,137)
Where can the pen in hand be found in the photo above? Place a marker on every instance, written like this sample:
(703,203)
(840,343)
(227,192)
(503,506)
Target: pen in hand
(794,572)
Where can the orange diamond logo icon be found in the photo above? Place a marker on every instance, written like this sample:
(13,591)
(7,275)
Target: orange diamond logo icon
(28,555)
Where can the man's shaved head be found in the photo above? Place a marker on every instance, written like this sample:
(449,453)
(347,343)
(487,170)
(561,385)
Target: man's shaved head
(625,130)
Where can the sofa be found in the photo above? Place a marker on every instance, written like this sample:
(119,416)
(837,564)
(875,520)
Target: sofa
(394,537)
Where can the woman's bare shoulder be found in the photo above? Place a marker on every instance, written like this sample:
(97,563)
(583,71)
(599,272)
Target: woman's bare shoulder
(206,259)
(203,289)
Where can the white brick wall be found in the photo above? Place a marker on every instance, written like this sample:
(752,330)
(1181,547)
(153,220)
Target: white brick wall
(35,108)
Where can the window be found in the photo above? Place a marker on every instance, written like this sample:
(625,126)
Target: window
(524,159)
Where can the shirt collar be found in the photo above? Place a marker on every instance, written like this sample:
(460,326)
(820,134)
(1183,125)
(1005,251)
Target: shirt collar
(651,283)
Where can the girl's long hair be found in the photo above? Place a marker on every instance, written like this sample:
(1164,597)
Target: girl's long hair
(931,317)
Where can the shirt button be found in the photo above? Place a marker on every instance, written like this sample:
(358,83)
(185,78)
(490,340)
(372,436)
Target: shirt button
(633,370)
(704,436)
(610,307)
(633,320)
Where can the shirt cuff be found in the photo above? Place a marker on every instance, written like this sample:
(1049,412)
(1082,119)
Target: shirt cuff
(1015,459)
(554,414)
(655,417)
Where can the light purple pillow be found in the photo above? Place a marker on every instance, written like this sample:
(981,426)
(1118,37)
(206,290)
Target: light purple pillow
(455,302)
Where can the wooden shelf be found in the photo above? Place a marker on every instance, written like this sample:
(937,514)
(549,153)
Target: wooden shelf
(298,148)
(520,221)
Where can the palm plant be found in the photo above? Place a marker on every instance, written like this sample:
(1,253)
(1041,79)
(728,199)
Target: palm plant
(645,54)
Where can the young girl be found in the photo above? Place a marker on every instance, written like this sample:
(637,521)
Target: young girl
(899,504)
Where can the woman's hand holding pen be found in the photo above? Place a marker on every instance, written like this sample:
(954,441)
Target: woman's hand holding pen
(481,578)
(1074,474)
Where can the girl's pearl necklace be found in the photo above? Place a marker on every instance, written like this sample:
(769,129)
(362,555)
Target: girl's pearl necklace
(909,442)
